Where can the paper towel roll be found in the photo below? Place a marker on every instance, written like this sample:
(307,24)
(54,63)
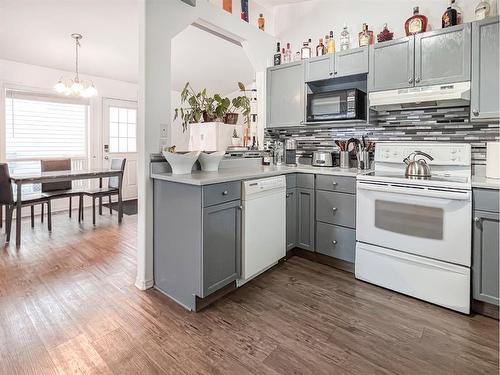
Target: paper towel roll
(493,160)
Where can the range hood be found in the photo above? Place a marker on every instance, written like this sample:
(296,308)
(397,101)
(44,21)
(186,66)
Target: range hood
(446,95)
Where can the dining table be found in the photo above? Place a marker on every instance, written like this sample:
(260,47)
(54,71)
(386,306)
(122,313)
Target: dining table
(60,176)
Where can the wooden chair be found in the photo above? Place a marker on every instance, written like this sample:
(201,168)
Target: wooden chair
(117,164)
(7,199)
(63,189)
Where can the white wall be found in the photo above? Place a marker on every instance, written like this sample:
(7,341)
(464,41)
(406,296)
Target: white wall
(296,23)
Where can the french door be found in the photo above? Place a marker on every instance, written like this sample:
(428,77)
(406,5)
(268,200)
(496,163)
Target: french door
(119,140)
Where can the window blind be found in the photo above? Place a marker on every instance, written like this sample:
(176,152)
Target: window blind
(39,126)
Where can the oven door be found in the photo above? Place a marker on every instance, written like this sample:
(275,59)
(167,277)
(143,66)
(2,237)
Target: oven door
(430,222)
(327,106)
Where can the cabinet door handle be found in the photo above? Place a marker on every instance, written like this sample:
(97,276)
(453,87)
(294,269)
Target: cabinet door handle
(475,112)
(334,242)
(334,209)
(288,195)
(477,219)
(240,208)
(335,73)
(334,183)
(331,73)
(410,80)
(417,80)
(225,192)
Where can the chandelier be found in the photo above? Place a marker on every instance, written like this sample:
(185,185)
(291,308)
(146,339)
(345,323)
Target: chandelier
(75,86)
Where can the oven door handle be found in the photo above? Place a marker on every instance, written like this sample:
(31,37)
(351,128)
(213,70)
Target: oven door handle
(431,193)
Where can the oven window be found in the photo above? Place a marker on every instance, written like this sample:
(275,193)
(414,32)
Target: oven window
(409,219)
(326,106)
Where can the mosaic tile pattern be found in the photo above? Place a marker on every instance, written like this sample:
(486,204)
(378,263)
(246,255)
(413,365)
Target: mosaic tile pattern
(433,125)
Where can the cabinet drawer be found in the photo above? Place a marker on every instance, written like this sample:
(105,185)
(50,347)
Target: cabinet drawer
(291,181)
(335,241)
(305,181)
(220,193)
(336,208)
(486,200)
(336,183)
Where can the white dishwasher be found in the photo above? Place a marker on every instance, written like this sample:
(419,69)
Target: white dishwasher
(263,226)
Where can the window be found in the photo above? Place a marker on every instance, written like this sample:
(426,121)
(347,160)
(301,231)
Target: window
(39,126)
(122,129)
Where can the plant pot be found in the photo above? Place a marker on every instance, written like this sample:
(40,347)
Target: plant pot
(235,141)
(181,163)
(231,118)
(210,161)
(208,118)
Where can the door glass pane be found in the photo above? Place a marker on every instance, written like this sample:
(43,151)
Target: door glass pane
(113,145)
(132,116)
(131,144)
(122,129)
(113,114)
(113,129)
(122,145)
(131,130)
(122,114)
(409,219)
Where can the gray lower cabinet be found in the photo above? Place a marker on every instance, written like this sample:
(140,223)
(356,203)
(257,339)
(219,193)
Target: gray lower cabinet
(350,62)
(285,95)
(336,241)
(485,253)
(485,95)
(291,218)
(391,64)
(305,217)
(443,56)
(221,246)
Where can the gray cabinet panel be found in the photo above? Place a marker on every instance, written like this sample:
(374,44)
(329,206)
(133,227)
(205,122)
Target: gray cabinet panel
(318,68)
(443,56)
(350,62)
(291,219)
(285,95)
(485,95)
(305,180)
(391,64)
(485,257)
(305,216)
(486,200)
(220,193)
(291,180)
(336,183)
(335,241)
(336,208)
(221,246)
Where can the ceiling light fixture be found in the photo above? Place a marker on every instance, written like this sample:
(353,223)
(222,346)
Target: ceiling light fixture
(75,86)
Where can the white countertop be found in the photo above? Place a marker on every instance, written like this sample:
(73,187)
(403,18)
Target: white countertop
(235,174)
(485,183)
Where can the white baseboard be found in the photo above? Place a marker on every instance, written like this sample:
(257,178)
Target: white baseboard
(144,284)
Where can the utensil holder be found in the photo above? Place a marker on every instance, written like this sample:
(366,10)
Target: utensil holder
(363,160)
(344,159)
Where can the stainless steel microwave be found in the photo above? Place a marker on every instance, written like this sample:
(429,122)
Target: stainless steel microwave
(347,104)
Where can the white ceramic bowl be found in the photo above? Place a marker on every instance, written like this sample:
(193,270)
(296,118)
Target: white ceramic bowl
(210,162)
(181,163)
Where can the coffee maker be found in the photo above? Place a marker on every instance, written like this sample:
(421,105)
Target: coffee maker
(290,151)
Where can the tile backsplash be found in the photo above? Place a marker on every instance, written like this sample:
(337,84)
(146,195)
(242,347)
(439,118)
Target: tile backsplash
(433,125)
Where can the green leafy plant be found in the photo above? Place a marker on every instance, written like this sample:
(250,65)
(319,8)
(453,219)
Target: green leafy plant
(197,104)
(235,133)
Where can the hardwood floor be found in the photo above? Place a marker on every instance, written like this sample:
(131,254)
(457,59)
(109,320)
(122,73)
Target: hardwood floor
(68,305)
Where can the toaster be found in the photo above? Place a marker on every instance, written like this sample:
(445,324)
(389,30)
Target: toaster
(322,159)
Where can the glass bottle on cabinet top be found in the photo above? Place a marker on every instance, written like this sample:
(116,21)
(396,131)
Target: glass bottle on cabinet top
(345,39)
(416,23)
(320,48)
(455,6)
(330,46)
(277,55)
(482,10)
(261,22)
(227,5)
(365,36)
(287,56)
(305,51)
(449,17)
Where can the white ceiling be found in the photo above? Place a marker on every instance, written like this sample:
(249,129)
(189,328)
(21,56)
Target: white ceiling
(207,61)
(38,32)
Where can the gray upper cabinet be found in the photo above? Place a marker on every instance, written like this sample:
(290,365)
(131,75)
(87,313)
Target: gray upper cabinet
(318,68)
(443,56)
(350,62)
(391,64)
(305,215)
(221,246)
(485,75)
(485,257)
(291,219)
(285,95)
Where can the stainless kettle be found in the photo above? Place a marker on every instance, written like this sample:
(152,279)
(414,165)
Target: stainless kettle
(417,168)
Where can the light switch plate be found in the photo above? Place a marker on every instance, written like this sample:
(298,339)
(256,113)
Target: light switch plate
(163,131)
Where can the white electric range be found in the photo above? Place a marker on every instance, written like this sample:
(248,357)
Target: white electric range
(414,235)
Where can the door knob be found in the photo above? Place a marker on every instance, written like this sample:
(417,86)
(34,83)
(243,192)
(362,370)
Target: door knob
(106,157)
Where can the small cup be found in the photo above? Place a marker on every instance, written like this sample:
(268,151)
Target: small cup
(344,159)
(363,160)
